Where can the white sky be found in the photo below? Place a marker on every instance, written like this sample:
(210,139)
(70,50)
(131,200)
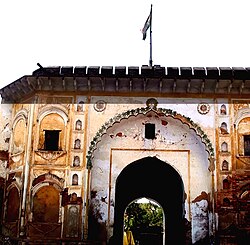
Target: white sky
(107,32)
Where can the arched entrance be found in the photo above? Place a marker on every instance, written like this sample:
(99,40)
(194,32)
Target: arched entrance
(152,178)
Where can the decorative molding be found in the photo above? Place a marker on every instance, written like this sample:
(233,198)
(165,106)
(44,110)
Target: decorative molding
(50,155)
(100,105)
(56,108)
(144,110)
(22,114)
(203,108)
(17,156)
(241,114)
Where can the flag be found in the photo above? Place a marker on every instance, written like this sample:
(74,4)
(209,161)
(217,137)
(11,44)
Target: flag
(146,26)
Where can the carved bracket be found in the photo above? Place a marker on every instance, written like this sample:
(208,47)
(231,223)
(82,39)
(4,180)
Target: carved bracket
(50,155)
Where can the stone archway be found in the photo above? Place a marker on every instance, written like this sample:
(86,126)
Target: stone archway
(155,179)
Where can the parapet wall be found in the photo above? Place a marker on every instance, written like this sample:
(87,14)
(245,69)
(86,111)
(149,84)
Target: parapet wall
(147,71)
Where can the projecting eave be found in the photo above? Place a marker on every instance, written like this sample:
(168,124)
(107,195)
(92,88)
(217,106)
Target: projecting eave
(145,80)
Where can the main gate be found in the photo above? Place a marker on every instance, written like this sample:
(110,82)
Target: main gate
(152,178)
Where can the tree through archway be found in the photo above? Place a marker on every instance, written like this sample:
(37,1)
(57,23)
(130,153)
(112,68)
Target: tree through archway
(152,178)
(144,222)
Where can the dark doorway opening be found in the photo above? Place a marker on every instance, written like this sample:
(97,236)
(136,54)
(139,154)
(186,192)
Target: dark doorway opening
(51,140)
(152,178)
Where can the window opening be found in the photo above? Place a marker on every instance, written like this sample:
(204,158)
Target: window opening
(51,140)
(247,145)
(150,131)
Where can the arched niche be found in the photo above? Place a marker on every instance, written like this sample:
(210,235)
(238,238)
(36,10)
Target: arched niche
(224,147)
(223,128)
(223,110)
(19,127)
(52,132)
(78,125)
(12,204)
(80,106)
(225,166)
(76,161)
(243,136)
(46,205)
(74,179)
(45,198)
(77,144)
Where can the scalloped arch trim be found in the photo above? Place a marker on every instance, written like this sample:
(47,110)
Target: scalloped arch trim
(49,109)
(144,110)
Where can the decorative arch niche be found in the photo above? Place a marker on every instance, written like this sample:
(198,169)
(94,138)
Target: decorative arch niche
(144,110)
(52,127)
(19,131)
(13,204)
(45,198)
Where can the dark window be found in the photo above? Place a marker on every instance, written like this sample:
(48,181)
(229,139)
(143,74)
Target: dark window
(51,140)
(247,145)
(150,131)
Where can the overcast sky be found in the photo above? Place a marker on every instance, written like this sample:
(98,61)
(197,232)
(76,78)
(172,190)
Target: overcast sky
(107,32)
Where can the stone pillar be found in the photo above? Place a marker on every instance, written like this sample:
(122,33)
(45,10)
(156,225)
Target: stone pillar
(26,169)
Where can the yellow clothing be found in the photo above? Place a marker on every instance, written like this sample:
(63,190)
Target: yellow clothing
(128,238)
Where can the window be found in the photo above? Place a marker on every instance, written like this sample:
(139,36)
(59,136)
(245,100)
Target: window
(150,131)
(246,145)
(51,142)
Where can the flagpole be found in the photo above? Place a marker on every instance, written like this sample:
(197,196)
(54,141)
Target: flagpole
(150,58)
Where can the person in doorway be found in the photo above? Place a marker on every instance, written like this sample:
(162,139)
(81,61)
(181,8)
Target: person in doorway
(128,238)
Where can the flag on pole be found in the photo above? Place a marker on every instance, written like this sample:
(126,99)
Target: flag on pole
(146,25)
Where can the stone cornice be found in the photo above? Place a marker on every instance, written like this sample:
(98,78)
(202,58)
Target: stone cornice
(209,81)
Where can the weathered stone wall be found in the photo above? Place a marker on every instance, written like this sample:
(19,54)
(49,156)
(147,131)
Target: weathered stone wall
(5,134)
(175,143)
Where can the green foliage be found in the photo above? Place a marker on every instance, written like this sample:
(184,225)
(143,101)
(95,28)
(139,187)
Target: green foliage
(140,215)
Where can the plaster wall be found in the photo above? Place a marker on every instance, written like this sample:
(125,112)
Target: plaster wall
(175,144)
(5,133)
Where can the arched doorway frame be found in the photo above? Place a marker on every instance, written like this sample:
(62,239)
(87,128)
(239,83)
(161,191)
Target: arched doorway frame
(165,179)
(161,112)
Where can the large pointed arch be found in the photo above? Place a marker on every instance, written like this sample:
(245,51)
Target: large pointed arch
(164,185)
